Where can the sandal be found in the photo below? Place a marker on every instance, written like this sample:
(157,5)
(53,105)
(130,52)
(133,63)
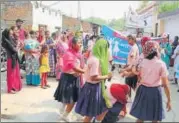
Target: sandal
(43,87)
(13,92)
(122,114)
(47,86)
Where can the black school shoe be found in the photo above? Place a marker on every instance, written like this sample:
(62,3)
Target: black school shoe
(178,90)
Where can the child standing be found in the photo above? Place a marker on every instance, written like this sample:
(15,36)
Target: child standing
(68,88)
(154,76)
(93,100)
(44,66)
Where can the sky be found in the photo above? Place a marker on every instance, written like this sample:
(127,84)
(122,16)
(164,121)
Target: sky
(104,9)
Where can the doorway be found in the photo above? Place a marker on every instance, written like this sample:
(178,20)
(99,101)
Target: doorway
(156,29)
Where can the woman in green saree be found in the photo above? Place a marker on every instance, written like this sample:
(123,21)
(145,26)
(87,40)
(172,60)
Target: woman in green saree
(166,50)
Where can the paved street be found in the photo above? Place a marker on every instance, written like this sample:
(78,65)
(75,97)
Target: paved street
(34,104)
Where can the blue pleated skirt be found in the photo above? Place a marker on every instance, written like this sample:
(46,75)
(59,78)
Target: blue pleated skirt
(147,105)
(113,113)
(68,89)
(91,102)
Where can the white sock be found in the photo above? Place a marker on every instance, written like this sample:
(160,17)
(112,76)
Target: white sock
(97,121)
(93,120)
(62,107)
(65,114)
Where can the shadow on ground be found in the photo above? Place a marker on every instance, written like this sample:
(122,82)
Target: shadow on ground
(47,104)
(36,117)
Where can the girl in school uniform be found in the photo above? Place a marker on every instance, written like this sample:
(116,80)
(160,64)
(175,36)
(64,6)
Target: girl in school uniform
(118,95)
(93,101)
(44,66)
(154,76)
(68,89)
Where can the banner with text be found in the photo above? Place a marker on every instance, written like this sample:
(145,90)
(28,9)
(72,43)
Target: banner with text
(119,46)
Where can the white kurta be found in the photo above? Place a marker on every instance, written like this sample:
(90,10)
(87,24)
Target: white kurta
(176,61)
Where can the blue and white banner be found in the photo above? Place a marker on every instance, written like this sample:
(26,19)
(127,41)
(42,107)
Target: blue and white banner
(119,46)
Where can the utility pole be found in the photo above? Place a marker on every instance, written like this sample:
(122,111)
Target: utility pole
(79,11)
(79,16)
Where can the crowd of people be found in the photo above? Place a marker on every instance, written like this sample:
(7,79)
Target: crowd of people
(82,70)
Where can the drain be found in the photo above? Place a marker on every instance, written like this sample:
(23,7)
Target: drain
(8,117)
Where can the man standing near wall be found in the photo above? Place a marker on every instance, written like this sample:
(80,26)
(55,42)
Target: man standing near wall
(22,32)
(22,36)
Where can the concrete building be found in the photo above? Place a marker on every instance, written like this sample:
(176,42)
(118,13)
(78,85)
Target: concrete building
(147,17)
(132,24)
(169,19)
(34,15)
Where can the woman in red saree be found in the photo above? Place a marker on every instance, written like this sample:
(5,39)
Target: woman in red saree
(41,36)
(14,82)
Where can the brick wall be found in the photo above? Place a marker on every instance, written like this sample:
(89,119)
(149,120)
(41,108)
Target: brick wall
(73,24)
(87,27)
(15,10)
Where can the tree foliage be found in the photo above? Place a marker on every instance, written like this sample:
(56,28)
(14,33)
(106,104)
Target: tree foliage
(96,20)
(168,6)
(117,24)
(143,4)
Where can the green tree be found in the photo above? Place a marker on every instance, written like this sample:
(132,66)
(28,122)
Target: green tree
(117,24)
(96,20)
(168,6)
(142,5)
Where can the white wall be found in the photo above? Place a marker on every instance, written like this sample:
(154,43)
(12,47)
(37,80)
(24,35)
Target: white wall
(51,20)
(148,17)
(171,26)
